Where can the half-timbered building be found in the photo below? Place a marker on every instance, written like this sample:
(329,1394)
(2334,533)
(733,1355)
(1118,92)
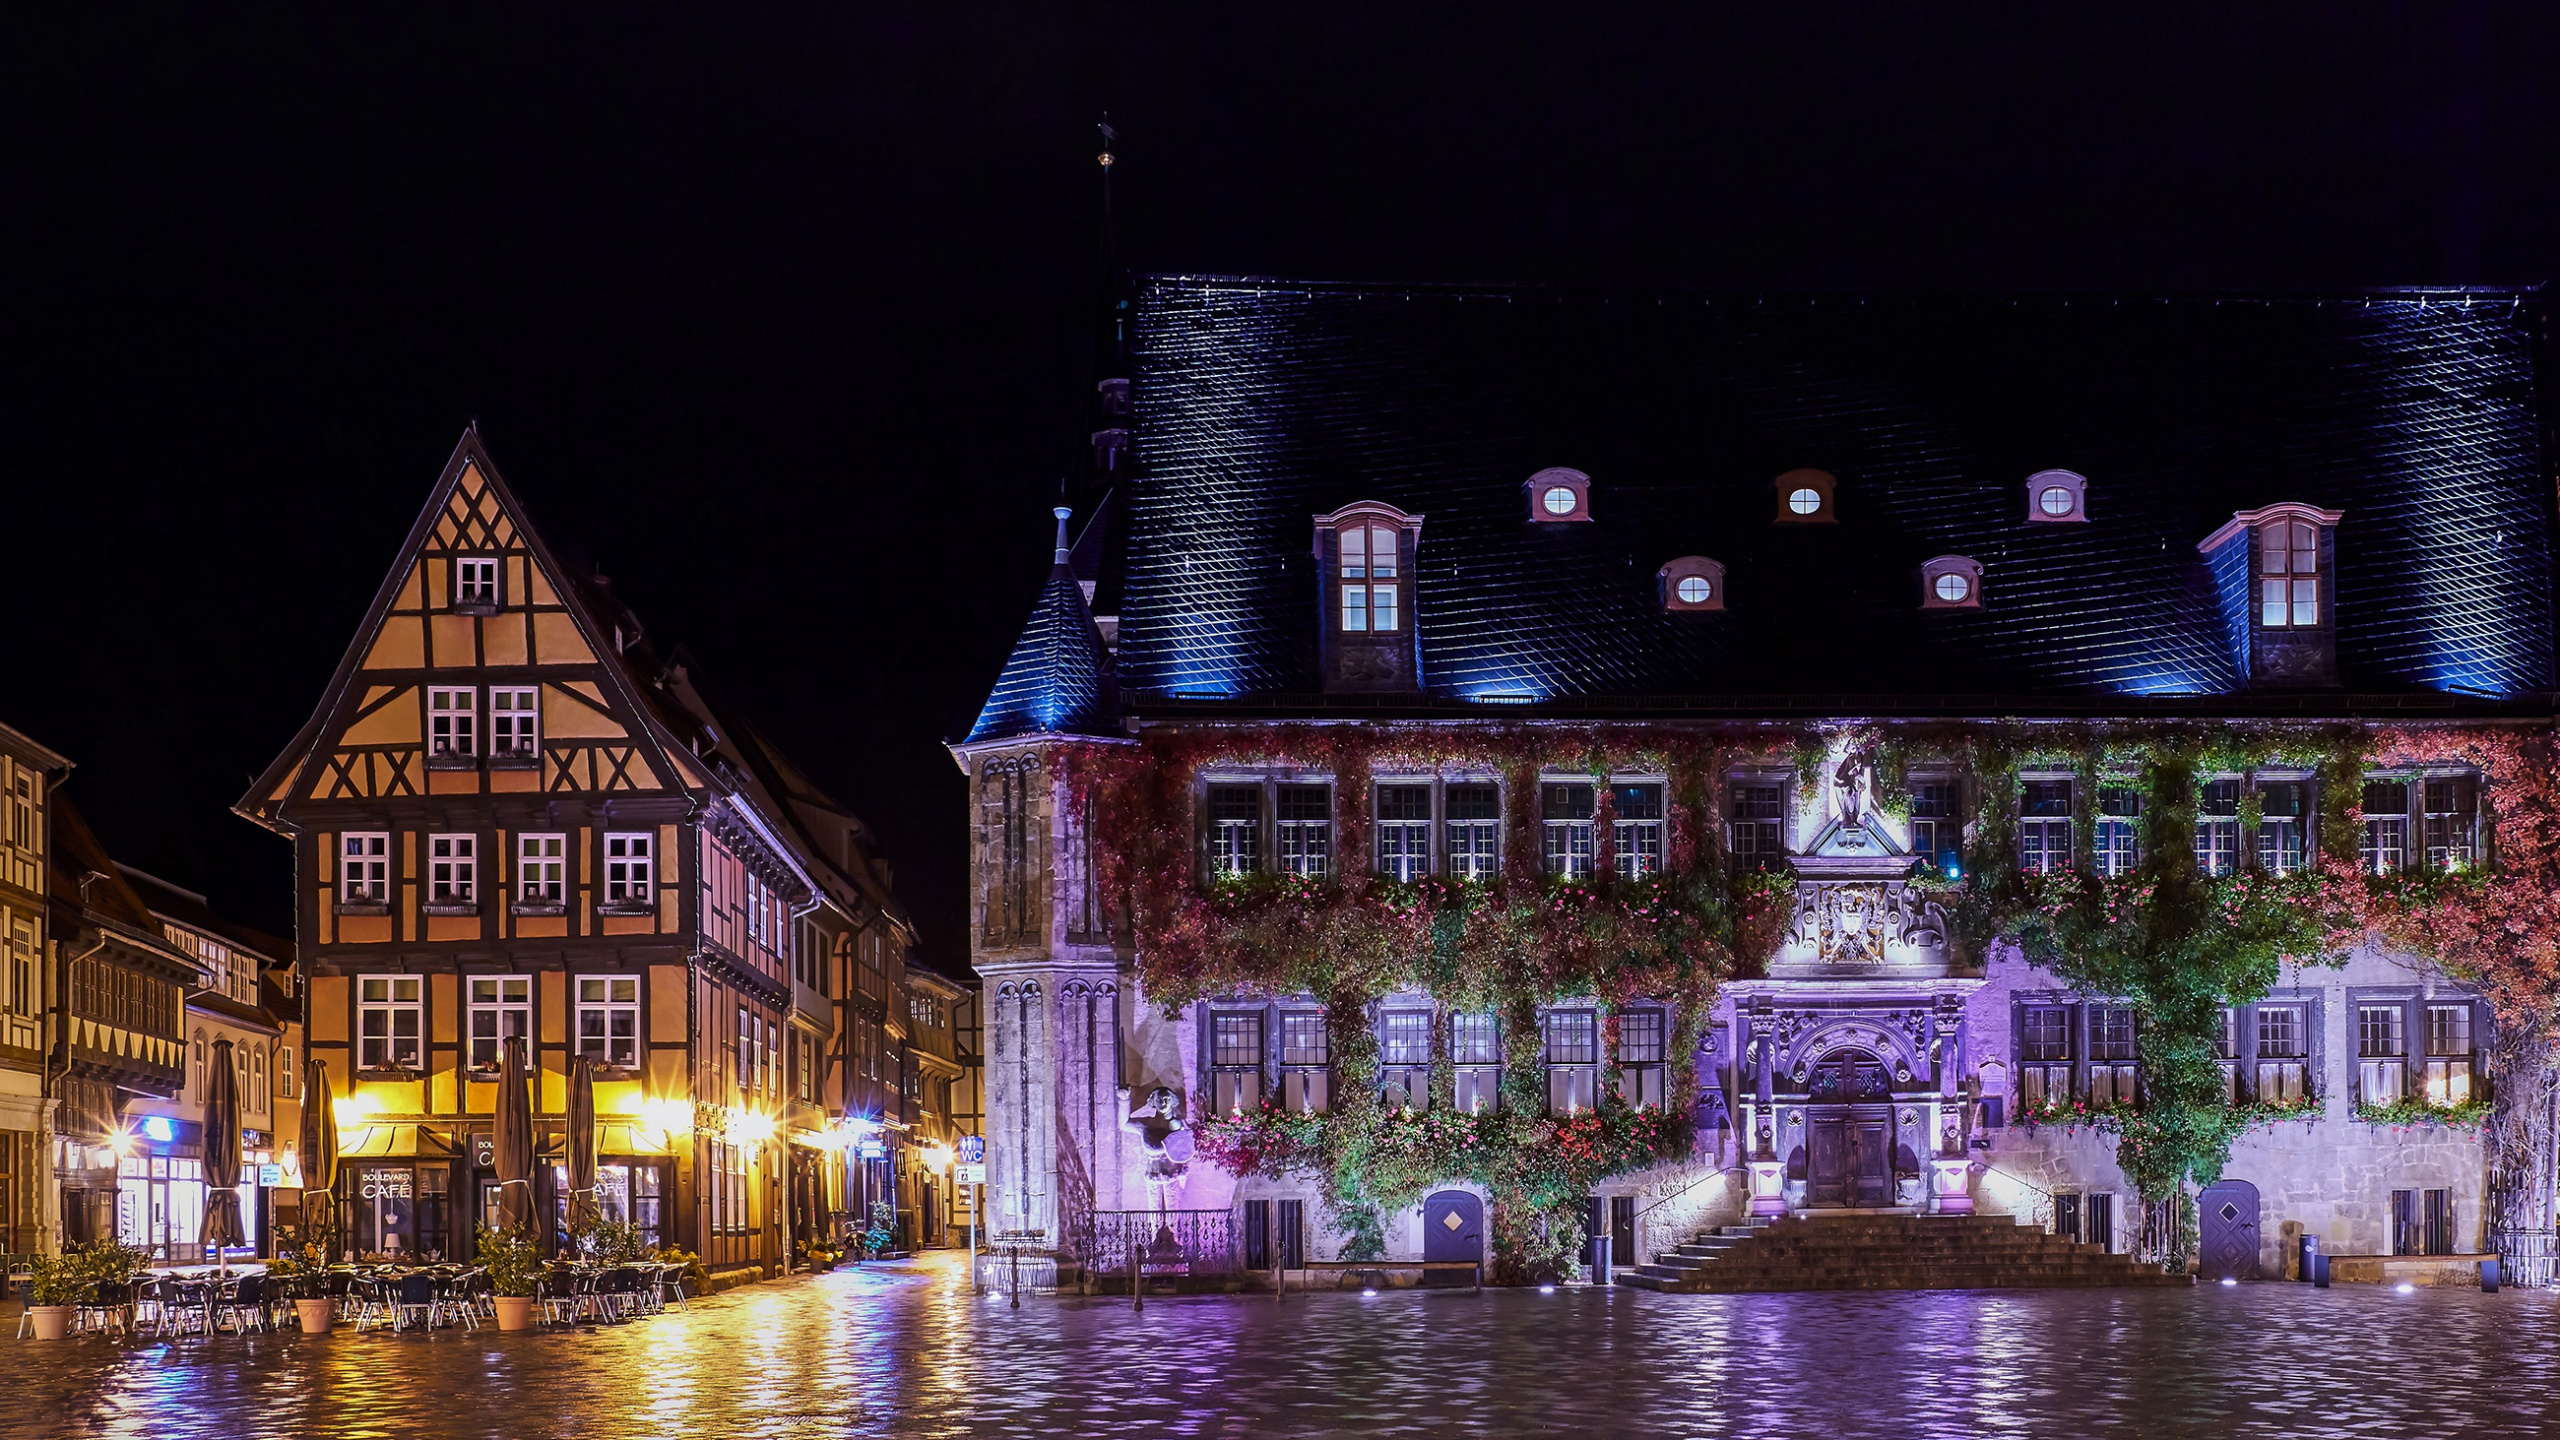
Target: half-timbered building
(512,816)
(28,772)
(1842,612)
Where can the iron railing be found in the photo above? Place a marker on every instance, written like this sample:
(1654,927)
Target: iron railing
(1163,1242)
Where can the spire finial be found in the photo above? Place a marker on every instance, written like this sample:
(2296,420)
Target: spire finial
(1062,512)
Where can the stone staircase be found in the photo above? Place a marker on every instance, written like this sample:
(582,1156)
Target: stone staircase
(1886,1252)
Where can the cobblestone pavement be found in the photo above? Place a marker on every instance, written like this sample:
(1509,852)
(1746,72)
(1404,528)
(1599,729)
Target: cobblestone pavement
(905,1350)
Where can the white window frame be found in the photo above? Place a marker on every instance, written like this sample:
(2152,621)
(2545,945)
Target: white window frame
(542,870)
(453,868)
(2382,1052)
(1306,842)
(2283,1076)
(1756,841)
(1475,1055)
(2218,831)
(1473,843)
(1404,1059)
(1235,841)
(605,996)
(475,580)
(630,869)
(2384,848)
(1567,838)
(2284,841)
(1306,1063)
(453,722)
(1235,1071)
(2448,1078)
(1404,843)
(364,867)
(2044,841)
(515,722)
(1368,606)
(1639,839)
(2452,831)
(2119,838)
(496,997)
(2289,575)
(1573,1081)
(394,998)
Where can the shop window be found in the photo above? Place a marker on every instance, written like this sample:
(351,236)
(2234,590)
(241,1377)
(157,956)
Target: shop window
(1566,812)
(1474,826)
(1638,830)
(1475,1053)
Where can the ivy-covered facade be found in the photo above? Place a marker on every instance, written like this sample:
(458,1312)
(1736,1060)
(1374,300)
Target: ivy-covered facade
(1492,773)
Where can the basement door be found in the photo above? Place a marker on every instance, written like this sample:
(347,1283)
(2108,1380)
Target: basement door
(1848,1159)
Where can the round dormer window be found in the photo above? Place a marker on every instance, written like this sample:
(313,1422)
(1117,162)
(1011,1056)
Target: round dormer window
(1558,499)
(1695,590)
(2055,501)
(1804,500)
(1952,588)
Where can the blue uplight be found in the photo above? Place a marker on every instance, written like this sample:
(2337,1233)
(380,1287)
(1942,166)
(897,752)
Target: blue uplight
(158,1128)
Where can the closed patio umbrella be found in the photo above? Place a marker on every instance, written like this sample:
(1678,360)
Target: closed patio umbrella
(514,1138)
(222,1225)
(319,1157)
(582,1140)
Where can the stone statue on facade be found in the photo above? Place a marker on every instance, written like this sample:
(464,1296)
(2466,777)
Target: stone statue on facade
(1158,1126)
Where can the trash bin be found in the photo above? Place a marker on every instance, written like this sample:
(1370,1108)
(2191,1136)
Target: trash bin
(2310,1260)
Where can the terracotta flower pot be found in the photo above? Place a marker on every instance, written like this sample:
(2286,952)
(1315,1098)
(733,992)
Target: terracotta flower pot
(52,1321)
(515,1312)
(315,1316)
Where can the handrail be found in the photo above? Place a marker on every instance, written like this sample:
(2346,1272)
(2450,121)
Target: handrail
(1693,1184)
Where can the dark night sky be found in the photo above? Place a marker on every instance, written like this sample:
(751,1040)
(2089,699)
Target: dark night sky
(783,315)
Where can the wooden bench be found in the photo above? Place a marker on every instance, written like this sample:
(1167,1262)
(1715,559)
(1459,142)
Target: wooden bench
(1426,1268)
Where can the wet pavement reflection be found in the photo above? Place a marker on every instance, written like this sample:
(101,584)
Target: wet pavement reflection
(906,1350)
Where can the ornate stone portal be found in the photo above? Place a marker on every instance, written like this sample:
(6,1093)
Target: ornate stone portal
(1856,911)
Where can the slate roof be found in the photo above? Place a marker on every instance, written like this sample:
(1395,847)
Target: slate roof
(1058,679)
(1260,404)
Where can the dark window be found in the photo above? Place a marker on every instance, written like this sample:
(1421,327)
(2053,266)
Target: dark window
(2112,1055)
(2044,1058)
(1641,1046)
(1235,820)
(1306,830)
(1257,1234)
(1639,830)
(2102,1220)
(2218,826)
(1936,835)
(2066,1216)
(1573,1055)
(2283,1050)
(1305,1054)
(1404,1059)
(2453,822)
(1757,812)
(2382,1053)
(1236,1061)
(2282,806)
(2119,830)
(1475,821)
(1566,812)
(1404,831)
(2044,825)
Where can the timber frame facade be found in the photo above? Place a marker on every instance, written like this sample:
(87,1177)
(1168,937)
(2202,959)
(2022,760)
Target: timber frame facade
(509,817)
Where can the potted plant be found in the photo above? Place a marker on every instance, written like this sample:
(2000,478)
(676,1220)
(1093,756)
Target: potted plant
(514,1264)
(303,1276)
(58,1279)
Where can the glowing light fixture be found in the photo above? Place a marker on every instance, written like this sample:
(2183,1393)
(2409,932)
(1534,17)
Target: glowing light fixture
(157,1127)
(2405,1288)
(1368,1294)
(665,1116)
(2227,1280)
(749,1127)
(1546,1289)
(937,1158)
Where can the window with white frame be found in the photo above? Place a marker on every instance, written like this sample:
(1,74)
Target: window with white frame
(475,580)
(1235,829)
(23,999)
(453,869)
(1305,1064)
(1475,1053)
(22,811)
(1565,812)
(2384,850)
(501,1009)
(287,1078)
(1306,830)
(630,869)
(2226,1049)
(2119,838)
(1235,1061)
(541,862)
(2284,1053)
(1404,1059)
(2113,1058)
(2218,826)
(1473,829)
(2382,1053)
(1642,1051)
(1369,581)
(1638,830)
(2453,822)
(2044,826)
(390,1019)
(1404,831)
(2448,1077)
(2288,574)
(2284,808)
(453,722)
(1757,810)
(364,868)
(514,723)
(608,1019)
(1572,1058)
(2044,1058)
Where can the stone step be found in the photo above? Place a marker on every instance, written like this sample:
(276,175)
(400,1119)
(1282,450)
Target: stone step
(1886,1252)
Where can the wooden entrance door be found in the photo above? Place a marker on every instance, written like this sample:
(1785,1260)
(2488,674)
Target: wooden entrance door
(2227,1225)
(1452,1231)
(1849,1156)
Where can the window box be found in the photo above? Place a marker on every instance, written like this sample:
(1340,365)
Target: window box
(512,760)
(452,907)
(362,907)
(627,907)
(540,907)
(450,760)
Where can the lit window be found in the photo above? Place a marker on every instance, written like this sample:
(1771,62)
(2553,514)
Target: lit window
(1476,1056)
(2054,501)
(1404,831)
(1638,830)
(609,1019)
(1804,500)
(2112,1057)
(1306,830)
(453,869)
(389,1014)
(2044,1055)
(1692,582)
(540,862)
(1566,812)
(2218,826)
(2288,574)
(1558,493)
(1475,820)
(2382,1054)
(2385,848)
(1953,588)
(1369,586)
(1305,1080)
(629,870)
(501,1010)
(364,870)
(2281,1054)
(2119,830)
(2453,822)
(1935,833)
(2283,806)
(1804,497)
(2448,1079)
(475,581)
(1573,1057)
(1235,829)
(1235,1062)
(452,723)
(1696,590)
(2056,497)
(512,732)
(1951,582)
(1558,500)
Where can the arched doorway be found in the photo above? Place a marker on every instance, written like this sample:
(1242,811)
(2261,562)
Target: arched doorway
(1452,1232)
(1849,1132)
(2227,1230)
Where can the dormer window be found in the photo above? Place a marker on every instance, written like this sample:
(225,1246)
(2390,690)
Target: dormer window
(475,582)
(2057,497)
(2288,574)
(1558,496)
(1692,582)
(1951,582)
(1364,565)
(1804,498)
(1369,554)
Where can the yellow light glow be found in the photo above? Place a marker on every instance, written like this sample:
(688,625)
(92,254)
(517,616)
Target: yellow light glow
(749,1127)
(352,1110)
(121,1142)
(937,1158)
(665,1117)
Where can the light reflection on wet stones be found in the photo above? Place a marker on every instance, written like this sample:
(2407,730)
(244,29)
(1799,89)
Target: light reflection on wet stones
(907,1351)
